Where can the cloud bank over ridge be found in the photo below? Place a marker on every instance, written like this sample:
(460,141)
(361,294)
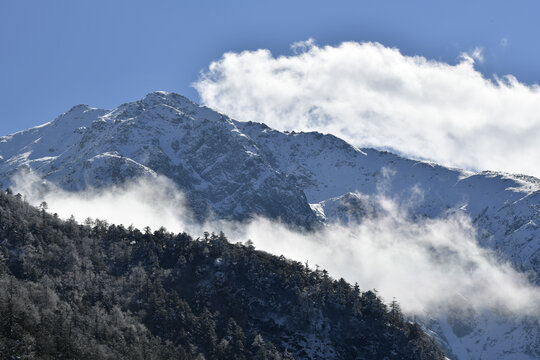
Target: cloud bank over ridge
(374,96)
(426,264)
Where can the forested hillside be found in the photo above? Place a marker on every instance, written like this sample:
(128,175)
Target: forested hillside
(100,291)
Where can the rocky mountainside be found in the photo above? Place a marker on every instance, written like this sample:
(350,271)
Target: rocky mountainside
(236,170)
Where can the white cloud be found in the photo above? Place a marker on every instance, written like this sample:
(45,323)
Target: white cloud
(152,202)
(372,95)
(426,264)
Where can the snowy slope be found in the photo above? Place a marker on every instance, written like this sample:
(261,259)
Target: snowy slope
(235,170)
(488,336)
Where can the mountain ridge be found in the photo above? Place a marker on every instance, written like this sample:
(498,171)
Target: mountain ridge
(236,170)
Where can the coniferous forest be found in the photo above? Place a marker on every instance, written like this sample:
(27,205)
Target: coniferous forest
(100,291)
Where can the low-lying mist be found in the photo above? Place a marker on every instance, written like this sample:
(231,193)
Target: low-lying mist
(427,264)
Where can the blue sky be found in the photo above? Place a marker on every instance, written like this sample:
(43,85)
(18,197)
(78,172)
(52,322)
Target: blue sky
(55,54)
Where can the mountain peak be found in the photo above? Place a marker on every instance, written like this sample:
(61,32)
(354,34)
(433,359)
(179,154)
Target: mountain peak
(167,98)
(78,109)
(153,100)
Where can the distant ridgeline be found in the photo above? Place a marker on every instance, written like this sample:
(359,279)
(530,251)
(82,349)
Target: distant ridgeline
(99,291)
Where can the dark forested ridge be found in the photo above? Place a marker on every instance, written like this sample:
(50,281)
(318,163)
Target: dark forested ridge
(99,291)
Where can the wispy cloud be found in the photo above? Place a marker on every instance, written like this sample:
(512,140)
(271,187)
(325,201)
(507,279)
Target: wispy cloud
(152,202)
(372,95)
(476,55)
(302,46)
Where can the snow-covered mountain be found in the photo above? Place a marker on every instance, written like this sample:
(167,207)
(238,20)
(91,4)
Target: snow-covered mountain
(239,169)
(236,170)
